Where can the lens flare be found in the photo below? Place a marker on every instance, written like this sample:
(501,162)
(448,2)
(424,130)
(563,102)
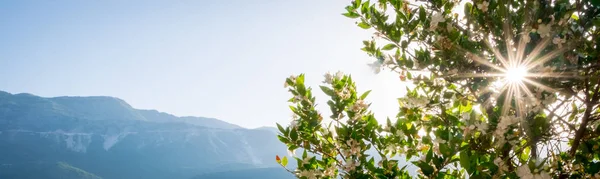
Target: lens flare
(516,74)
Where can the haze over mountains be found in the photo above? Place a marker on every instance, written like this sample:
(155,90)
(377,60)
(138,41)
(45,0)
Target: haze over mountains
(104,137)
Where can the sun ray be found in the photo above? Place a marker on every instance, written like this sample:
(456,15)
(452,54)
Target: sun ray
(536,50)
(497,53)
(471,75)
(525,89)
(527,92)
(571,75)
(476,58)
(546,57)
(539,85)
(518,101)
(516,69)
(521,50)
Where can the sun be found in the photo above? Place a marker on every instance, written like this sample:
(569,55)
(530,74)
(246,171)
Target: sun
(516,74)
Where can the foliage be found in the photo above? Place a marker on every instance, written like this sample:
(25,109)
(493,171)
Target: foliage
(465,115)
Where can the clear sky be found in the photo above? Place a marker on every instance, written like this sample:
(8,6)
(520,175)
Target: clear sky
(221,59)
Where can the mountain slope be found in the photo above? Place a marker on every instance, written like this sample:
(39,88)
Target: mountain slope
(258,173)
(108,137)
(156,116)
(59,170)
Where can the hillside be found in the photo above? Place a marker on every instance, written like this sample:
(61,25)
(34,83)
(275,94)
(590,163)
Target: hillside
(258,173)
(111,139)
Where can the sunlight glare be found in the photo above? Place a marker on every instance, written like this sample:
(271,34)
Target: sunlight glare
(516,74)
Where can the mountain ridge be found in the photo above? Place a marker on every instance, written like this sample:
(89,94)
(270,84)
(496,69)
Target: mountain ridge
(109,138)
(139,114)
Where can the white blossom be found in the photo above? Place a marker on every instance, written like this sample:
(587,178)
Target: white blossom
(358,106)
(339,75)
(291,78)
(505,122)
(467,129)
(526,38)
(524,173)
(544,30)
(439,141)
(344,94)
(306,160)
(376,66)
(351,164)
(483,6)
(330,171)
(391,148)
(559,41)
(292,153)
(544,175)
(435,19)
(439,81)
(309,174)
(399,134)
(436,150)
(354,148)
(465,116)
(423,158)
(294,124)
(482,127)
(415,102)
(328,78)
(386,128)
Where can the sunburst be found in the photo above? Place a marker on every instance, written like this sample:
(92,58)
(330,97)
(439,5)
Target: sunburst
(517,71)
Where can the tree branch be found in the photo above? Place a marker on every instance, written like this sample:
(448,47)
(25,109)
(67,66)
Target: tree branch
(584,121)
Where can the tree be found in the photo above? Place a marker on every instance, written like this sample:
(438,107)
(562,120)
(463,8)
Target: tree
(501,89)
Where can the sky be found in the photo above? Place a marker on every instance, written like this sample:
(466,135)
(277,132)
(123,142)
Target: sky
(220,59)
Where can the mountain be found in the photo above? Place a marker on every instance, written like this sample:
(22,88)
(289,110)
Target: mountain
(259,173)
(58,170)
(156,116)
(106,137)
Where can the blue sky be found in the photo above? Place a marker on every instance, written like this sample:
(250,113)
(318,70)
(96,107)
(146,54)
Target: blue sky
(222,59)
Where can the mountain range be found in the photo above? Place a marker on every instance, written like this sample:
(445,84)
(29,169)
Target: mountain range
(104,137)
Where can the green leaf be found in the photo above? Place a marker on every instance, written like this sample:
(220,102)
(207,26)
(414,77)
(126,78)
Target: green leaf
(525,154)
(328,91)
(389,46)
(448,95)
(284,161)
(422,14)
(365,7)
(446,150)
(356,3)
(294,134)
(465,161)
(300,79)
(281,129)
(283,139)
(429,155)
(352,15)
(426,168)
(574,113)
(364,95)
(364,25)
